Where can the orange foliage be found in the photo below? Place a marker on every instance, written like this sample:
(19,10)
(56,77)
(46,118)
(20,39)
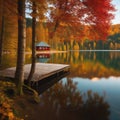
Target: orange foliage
(114,29)
(76,13)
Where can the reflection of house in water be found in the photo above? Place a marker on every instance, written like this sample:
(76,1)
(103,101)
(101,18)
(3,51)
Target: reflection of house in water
(42,46)
(43,57)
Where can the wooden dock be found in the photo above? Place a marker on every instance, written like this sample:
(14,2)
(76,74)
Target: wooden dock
(42,71)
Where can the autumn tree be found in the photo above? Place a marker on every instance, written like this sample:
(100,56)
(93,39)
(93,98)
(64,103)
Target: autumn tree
(37,7)
(100,17)
(96,14)
(19,75)
(32,70)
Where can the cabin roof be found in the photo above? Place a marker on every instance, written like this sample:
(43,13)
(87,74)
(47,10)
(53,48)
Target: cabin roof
(44,44)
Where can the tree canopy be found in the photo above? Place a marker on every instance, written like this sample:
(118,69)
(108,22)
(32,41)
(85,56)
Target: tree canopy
(96,14)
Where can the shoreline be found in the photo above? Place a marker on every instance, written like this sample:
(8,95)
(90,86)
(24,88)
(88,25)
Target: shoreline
(57,51)
(47,52)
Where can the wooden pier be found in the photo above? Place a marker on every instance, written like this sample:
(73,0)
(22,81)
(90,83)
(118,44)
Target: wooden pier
(42,71)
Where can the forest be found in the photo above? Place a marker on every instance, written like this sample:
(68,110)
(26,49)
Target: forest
(67,41)
(63,24)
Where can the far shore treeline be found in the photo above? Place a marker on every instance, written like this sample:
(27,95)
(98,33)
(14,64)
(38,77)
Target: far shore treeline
(59,41)
(67,42)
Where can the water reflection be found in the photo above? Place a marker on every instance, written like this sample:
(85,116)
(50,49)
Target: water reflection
(65,102)
(43,57)
(109,59)
(98,72)
(8,60)
(90,64)
(103,57)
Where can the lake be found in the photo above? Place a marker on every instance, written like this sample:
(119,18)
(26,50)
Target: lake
(90,92)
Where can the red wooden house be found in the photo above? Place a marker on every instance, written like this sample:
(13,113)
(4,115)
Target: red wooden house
(42,46)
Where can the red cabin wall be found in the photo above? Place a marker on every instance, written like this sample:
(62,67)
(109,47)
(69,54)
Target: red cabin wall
(40,48)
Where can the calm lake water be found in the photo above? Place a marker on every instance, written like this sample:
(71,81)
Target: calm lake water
(90,92)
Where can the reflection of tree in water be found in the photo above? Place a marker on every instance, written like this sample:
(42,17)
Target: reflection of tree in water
(101,64)
(95,108)
(65,102)
(9,60)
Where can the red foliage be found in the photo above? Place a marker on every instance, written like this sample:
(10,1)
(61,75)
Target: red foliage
(100,17)
(75,13)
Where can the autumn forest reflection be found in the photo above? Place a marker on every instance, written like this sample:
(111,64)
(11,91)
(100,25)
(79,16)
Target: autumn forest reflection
(90,64)
(65,102)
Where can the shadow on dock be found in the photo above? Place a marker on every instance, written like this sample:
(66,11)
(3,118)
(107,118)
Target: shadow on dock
(46,83)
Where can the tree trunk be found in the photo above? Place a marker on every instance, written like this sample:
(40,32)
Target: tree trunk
(2,32)
(19,75)
(1,40)
(33,44)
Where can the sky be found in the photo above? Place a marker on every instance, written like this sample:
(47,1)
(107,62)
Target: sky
(116,3)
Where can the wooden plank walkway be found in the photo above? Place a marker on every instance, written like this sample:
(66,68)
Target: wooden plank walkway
(42,71)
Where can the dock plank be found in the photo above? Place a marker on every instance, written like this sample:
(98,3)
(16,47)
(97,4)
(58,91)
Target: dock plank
(43,70)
